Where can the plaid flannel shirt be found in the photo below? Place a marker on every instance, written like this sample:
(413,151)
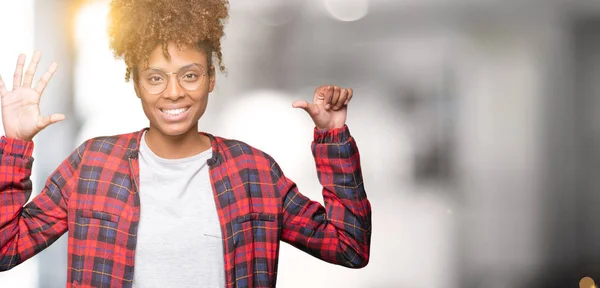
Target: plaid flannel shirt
(94,195)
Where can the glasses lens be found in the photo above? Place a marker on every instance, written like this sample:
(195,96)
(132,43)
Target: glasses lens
(191,77)
(154,80)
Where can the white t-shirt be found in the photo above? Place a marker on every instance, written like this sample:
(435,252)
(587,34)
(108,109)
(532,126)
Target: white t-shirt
(179,241)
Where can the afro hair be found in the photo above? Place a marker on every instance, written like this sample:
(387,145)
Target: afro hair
(136,27)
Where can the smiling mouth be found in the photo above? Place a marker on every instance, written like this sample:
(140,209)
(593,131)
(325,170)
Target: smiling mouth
(174,112)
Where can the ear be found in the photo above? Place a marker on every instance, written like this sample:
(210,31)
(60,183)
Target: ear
(211,78)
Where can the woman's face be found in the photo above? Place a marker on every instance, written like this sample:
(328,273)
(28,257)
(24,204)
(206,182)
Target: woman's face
(186,82)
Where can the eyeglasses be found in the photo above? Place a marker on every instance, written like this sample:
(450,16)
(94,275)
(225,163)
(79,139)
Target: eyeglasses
(155,80)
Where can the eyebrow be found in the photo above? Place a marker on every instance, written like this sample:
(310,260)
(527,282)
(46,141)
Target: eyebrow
(180,68)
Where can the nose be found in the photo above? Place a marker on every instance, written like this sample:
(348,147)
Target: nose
(174,90)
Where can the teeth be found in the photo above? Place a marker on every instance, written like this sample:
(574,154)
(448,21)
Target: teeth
(175,112)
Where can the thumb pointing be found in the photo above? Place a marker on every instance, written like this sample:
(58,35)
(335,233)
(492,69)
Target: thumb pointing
(311,109)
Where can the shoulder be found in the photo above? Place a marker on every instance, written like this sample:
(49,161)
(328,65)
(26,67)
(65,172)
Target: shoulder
(236,149)
(111,145)
(99,150)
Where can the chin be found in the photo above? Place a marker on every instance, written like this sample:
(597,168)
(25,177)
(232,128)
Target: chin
(175,130)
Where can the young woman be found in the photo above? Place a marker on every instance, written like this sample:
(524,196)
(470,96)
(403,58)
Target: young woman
(169,206)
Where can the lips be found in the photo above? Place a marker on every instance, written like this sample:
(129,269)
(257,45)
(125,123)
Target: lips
(174,114)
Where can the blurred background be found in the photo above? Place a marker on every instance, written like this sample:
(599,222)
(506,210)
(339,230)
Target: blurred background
(476,120)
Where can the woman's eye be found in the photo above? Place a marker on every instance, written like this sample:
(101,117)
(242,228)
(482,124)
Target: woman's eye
(154,79)
(190,76)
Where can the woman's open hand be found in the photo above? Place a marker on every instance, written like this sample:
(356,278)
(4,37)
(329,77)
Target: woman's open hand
(21,106)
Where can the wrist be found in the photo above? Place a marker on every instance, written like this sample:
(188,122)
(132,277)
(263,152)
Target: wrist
(14,135)
(331,127)
(333,135)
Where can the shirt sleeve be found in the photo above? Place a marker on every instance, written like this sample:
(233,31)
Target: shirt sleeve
(25,230)
(340,231)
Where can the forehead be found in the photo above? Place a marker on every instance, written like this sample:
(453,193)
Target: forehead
(178,57)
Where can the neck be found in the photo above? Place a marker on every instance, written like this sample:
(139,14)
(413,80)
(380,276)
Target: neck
(176,146)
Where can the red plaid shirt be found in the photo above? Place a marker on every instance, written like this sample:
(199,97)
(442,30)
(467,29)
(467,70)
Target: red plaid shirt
(94,196)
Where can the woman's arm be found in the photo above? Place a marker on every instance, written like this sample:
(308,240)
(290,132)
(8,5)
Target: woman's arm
(28,229)
(340,232)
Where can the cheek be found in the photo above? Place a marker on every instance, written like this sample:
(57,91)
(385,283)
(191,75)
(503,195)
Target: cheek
(148,107)
(201,103)
(204,101)
(201,96)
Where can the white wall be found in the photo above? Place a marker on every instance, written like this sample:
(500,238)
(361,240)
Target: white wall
(17,20)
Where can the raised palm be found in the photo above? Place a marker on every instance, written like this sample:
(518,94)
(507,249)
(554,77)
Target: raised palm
(21,106)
